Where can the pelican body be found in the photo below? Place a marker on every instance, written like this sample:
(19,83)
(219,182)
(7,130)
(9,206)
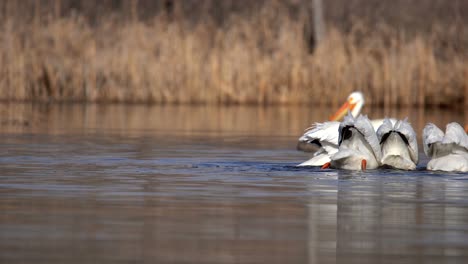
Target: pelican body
(398,144)
(358,145)
(323,137)
(449,151)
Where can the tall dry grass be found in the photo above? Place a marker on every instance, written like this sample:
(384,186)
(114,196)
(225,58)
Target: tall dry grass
(257,59)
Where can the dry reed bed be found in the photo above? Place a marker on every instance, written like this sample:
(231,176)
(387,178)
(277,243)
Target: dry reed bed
(262,59)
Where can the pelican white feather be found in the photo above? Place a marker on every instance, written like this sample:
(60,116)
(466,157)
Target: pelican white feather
(449,151)
(431,135)
(358,145)
(454,133)
(364,126)
(325,135)
(398,144)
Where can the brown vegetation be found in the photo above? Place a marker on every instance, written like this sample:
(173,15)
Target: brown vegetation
(257,57)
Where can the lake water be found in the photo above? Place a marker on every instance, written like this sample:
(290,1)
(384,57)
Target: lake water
(207,184)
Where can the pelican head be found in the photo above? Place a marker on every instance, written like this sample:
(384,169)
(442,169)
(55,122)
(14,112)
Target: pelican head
(353,105)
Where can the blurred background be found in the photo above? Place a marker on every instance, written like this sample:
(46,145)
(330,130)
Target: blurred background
(399,53)
(166,131)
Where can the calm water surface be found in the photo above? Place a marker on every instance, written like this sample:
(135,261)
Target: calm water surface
(188,184)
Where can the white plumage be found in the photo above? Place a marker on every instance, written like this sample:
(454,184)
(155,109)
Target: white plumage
(358,145)
(398,144)
(325,136)
(449,151)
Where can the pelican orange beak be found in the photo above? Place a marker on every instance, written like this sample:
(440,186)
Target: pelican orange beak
(466,128)
(347,106)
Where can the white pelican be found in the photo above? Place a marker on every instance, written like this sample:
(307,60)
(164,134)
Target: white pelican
(398,144)
(448,152)
(323,137)
(358,145)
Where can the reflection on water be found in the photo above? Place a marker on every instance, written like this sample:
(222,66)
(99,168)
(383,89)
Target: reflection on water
(189,120)
(206,184)
(390,217)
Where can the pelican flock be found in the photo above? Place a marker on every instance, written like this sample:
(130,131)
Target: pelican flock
(358,143)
